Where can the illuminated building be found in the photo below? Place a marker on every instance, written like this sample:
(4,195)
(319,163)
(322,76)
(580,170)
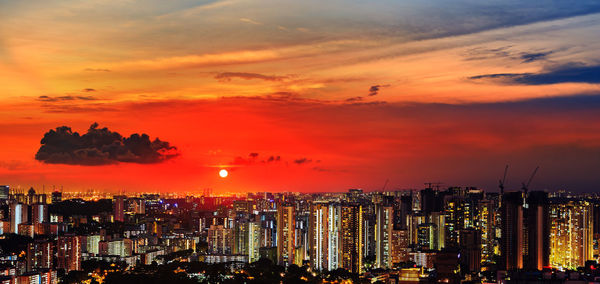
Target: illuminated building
(319,236)
(334,236)
(460,211)
(511,242)
(286,234)
(413,221)
(351,241)
(302,231)
(253,241)
(136,205)
(120,247)
(92,244)
(571,233)
(439,220)
(39,213)
(369,230)
(18,215)
(427,236)
(451,210)
(219,239)
(4,191)
(41,277)
(26,229)
(68,251)
(242,206)
(399,246)
(40,254)
(240,236)
(423,259)
(487,226)
(383,232)
(268,230)
(119,208)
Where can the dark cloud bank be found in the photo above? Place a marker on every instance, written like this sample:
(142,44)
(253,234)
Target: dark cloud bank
(100,146)
(569,73)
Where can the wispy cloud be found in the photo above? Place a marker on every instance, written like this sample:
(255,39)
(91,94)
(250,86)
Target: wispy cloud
(65,98)
(250,21)
(534,56)
(227,76)
(96,70)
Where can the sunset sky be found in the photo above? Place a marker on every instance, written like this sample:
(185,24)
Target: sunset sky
(305,95)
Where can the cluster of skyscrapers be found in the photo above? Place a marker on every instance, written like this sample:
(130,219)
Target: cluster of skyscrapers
(450,235)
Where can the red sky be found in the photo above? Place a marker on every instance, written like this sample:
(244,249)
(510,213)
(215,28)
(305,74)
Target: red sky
(358,94)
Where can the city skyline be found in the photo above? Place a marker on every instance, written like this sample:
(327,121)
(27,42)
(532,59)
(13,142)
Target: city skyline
(431,235)
(302,96)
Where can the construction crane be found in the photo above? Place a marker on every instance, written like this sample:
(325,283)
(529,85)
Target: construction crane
(385,184)
(501,184)
(526,185)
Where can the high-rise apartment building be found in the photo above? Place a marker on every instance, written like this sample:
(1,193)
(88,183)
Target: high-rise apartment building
(511,242)
(538,231)
(119,208)
(383,232)
(571,233)
(286,234)
(68,252)
(219,239)
(351,240)
(319,220)
(253,241)
(18,215)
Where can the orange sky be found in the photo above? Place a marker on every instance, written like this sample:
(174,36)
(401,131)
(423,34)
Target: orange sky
(410,92)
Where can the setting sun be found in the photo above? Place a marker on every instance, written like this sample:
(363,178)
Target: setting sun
(223,173)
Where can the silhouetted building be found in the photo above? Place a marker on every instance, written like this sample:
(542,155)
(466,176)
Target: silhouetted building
(470,250)
(511,242)
(404,210)
(56,197)
(428,200)
(538,231)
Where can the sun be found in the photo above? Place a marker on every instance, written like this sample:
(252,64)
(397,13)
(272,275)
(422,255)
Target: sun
(223,173)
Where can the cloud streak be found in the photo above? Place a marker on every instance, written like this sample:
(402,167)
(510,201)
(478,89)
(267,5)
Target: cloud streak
(67,98)
(227,76)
